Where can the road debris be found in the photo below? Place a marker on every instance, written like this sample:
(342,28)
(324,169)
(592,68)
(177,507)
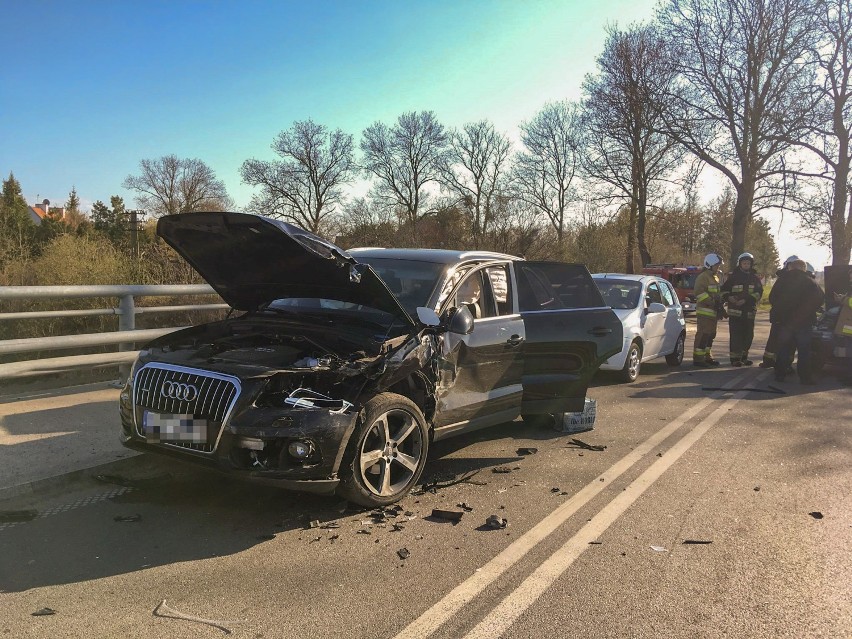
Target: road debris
(595,543)
(332,525)
(465,507)
(757,489)
(315,523)
(162,610)
(527,451)
(449,515)
(496,522)
(43,612)
(14,516)
(334,537)
(397,527)
(403,553)
(816,514)
(579,443)
(696,542)
(659,549)
(363,531)
(437,485)
(127,518)
(501,470)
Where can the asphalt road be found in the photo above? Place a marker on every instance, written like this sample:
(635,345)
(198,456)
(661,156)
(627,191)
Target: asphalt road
(597,542)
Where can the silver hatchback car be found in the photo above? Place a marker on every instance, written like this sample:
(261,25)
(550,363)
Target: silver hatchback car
(652,319)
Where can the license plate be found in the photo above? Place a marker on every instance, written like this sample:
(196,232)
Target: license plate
(171,427)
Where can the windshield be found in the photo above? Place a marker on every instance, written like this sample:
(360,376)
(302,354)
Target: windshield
(412,282)
(620,293)
(685,280)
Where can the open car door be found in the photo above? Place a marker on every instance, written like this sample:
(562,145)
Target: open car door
(570,332)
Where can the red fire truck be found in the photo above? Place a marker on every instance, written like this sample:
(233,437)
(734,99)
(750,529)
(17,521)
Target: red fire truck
(682,277)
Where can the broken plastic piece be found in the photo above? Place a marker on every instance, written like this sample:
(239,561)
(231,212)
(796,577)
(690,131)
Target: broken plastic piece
(403,553)
(495,522)
(315,523)
(162,610)
(501,469)
(129,518)
(330,525)
(527,451)
(306,398)
(696,542)
(579,443)
(363,531)
(554,490)
(44,612)
(659,549)
(450,515)
(816,514)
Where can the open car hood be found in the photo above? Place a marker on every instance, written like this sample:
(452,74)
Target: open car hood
(252,260)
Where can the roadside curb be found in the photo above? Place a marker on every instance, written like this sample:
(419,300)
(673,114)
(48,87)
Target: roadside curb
(134,463)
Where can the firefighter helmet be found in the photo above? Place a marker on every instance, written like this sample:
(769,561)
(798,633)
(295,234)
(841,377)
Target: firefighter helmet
(790,260)
(745,256)
(712,259)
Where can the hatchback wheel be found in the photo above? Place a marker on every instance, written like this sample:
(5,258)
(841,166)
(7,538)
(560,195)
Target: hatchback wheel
(676,356)
(391,444)
(632,364)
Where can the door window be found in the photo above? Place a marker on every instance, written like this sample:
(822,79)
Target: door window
(501,288)
(668,296)
(548,286)
(474,292)
(653,294)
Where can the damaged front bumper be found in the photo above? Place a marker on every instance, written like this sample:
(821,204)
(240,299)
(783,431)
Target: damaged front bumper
(298,446)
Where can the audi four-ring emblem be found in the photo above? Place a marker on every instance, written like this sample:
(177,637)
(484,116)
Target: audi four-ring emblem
(175,390)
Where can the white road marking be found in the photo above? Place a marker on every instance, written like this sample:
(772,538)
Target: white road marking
(513,605)
(427,623)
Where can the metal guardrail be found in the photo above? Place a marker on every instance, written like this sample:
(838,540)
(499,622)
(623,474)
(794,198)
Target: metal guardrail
(126,337)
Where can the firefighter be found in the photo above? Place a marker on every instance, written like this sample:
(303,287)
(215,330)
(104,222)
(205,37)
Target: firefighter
(742,291)
(770,352)
(708,306)
(796,299)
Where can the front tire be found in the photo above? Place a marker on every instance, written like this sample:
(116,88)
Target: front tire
(391,442)
(632,363)
(676,357)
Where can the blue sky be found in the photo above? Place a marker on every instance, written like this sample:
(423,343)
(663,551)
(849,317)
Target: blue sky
(90,88)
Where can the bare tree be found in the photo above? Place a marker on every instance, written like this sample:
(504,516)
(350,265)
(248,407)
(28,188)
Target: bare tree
(827,214)
(404,158)
(472,168)
(743,91)
(171,185)
(623,145)
(544,171)
(305,186)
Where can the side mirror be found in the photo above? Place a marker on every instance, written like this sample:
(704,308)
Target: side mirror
(655,307)
(428,317)
(460,321)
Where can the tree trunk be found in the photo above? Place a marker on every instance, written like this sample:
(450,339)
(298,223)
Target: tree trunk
(631,236)
(841,225)
(742,216)
(644,253)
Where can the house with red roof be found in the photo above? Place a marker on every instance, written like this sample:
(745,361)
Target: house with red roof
(39,211)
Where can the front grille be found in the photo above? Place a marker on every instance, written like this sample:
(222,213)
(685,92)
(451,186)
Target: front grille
(214,397)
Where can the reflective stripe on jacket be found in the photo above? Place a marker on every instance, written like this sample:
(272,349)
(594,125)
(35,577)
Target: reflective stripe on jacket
(707,293)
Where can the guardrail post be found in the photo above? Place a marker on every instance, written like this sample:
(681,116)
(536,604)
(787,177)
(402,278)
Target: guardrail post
(126,322)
